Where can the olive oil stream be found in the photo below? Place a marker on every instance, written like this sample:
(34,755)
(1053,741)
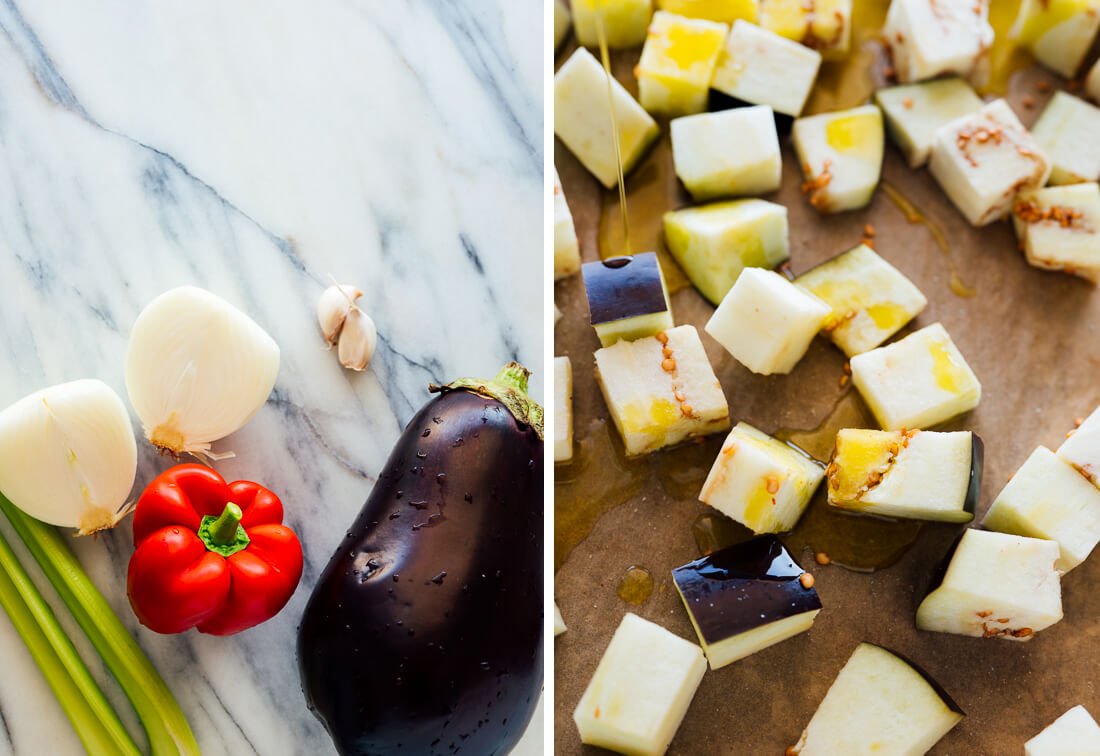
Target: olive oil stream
(605,60)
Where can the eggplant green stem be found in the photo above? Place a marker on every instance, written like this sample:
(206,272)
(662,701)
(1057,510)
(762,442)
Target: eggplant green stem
(509,387)
(165,725)
(95,721)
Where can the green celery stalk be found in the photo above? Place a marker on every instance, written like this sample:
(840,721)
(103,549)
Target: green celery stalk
(95,721)
(164,722)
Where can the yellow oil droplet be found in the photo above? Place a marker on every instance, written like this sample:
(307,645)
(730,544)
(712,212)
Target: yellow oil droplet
(913,214)
(758,508)
(946,371)
(1006,56)
(686,47)
(849,133)
(888,315)
(636,585)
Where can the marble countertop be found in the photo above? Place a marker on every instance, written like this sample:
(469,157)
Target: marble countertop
(255,149)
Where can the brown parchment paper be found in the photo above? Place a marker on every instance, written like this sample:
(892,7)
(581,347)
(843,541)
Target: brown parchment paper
(1030,336)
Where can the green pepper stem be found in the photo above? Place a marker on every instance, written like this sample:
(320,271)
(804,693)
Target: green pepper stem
(223,531)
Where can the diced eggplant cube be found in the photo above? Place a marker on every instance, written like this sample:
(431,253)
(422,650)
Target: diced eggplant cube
(841,157)
(627,297)
(760,482)
(981,160)
(916,382)
(915,112)
(878,704)
(1059,33)
(1067,131)
(624,22)
(871,300)
(563,21)
(641,690)
(1048,498)
(931,37)
(563,410)
(1075,733)
(728,153)
(559,623)
(921,475)
(725,11)
(1082,448)
(824,25)
(766,322)
(567,251)
(996,586)
(661,390)
(677,63)
(714,243)
(1059,228)
(582,119)
(745,598)
(763,68)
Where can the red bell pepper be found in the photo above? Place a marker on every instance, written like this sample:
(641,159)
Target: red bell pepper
(210,554)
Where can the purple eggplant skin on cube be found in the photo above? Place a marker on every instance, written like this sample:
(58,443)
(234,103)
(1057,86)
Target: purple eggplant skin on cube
(948,701)
(977,463)
(624,287)
(742,587)
(424,634)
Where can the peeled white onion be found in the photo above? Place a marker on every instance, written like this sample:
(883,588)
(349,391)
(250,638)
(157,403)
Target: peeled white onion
(197,369)
(67,455)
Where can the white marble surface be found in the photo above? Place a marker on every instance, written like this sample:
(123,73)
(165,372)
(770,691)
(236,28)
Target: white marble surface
(255,148)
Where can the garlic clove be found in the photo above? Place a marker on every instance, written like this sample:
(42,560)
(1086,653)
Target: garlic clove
(358,338)
(68,455)
(197,369)
(333,307)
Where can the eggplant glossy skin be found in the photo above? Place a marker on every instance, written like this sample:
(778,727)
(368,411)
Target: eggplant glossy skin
(424,634)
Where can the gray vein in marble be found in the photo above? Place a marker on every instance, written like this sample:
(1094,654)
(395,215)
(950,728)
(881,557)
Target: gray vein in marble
(472,255)
(469,34)
(55,87)
(297,413)
(23,37)
(7,730)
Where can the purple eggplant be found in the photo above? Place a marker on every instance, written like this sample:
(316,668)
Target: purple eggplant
(424,634)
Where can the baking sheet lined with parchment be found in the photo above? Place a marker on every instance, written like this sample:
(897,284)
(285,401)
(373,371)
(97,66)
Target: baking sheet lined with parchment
(1030,336)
